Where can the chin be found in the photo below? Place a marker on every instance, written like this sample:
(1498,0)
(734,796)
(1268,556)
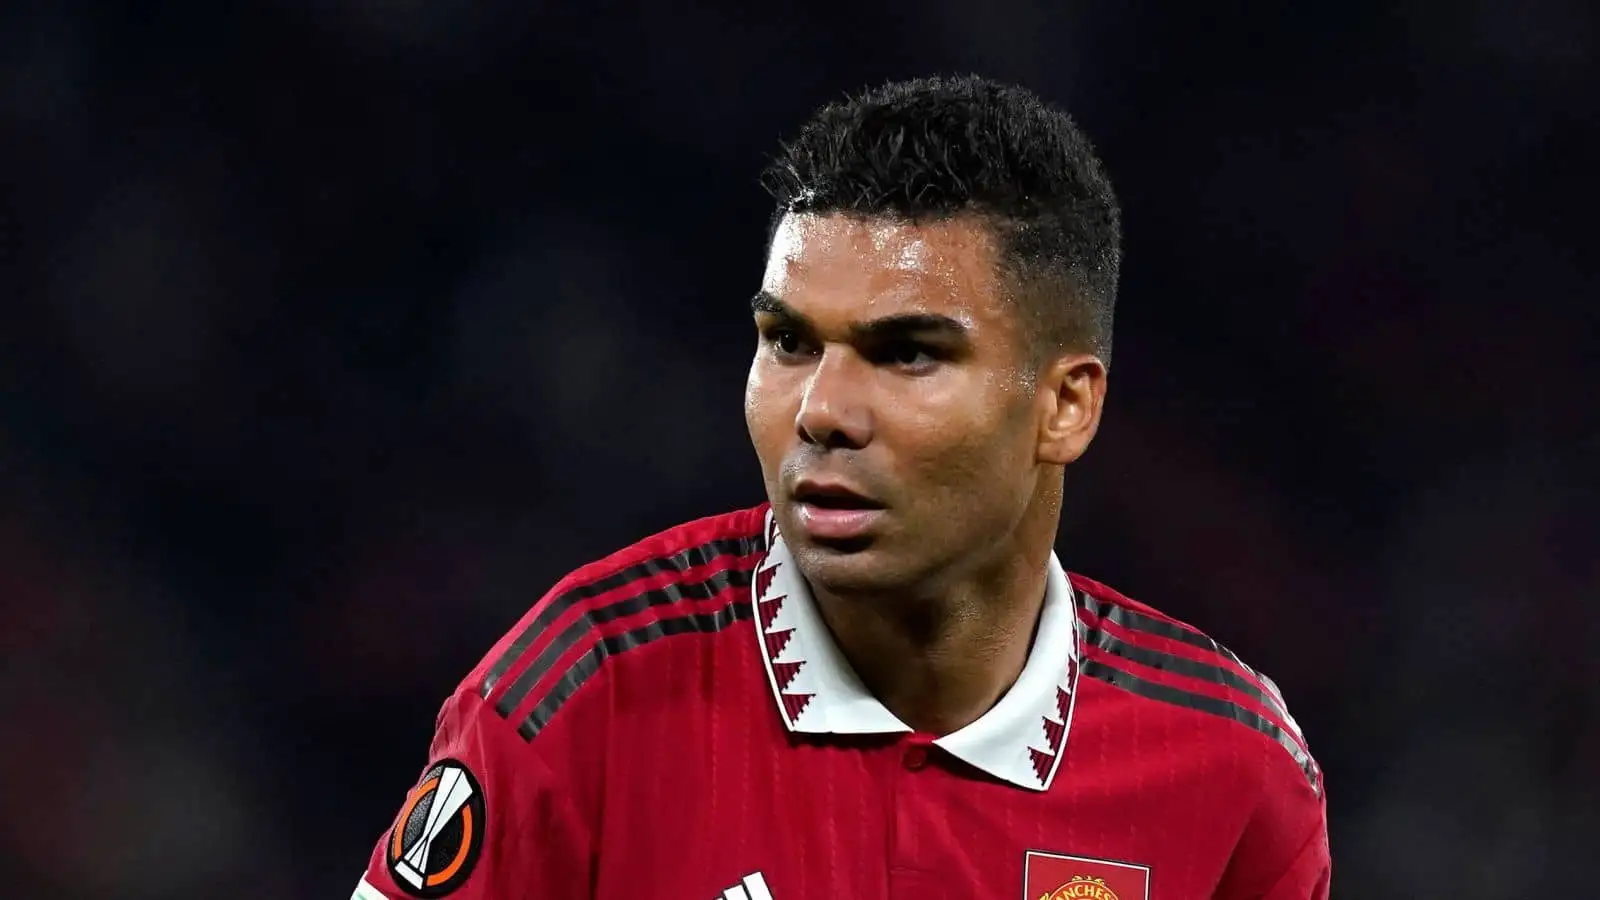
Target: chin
(846,568)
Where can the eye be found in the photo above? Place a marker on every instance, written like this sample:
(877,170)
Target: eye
(907,354)
(911,354)
(786,342)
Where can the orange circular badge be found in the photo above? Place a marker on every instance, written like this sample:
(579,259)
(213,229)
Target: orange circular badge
(439,832)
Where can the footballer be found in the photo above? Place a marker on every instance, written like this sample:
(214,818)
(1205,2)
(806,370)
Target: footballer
(881,682)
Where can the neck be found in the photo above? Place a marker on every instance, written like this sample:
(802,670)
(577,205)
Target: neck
(938,660)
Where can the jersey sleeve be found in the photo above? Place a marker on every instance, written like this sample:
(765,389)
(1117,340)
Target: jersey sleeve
(1309,874)
(1283,853)
(489,819)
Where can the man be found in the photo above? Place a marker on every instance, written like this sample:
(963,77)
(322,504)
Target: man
(881,683)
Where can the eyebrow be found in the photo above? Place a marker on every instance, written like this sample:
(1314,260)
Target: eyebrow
(897,326)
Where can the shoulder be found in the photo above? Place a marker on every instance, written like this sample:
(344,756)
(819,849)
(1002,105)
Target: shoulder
(1153,658)
(692,578)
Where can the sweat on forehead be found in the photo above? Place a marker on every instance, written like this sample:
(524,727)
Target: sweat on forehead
(885,255)
(855,278)
(882,232)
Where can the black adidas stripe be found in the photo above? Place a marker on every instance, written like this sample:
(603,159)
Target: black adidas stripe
(694,556)
(585,624)
(1227,710)
(1168,662)
(1137,621)
(738,609)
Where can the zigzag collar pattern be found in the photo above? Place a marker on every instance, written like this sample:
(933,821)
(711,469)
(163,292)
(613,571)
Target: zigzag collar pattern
(1020,740)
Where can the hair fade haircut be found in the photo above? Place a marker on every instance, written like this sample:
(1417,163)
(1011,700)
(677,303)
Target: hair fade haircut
(930,149)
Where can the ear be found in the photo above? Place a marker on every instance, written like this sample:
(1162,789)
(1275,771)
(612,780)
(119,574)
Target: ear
(1072,392)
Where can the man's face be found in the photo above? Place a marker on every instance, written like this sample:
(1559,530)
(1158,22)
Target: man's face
(890,400)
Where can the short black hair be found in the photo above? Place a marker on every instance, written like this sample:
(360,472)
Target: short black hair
(937,148)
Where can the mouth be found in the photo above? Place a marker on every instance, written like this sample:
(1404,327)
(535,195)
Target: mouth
(833,495)
(835,514)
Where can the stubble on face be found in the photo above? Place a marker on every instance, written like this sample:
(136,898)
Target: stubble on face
(945,443)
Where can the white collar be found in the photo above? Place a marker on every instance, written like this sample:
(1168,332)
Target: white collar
(1019,740)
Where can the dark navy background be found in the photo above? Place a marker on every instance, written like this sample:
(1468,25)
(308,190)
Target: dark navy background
(333,333)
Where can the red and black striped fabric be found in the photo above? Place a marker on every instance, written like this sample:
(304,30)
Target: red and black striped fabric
(610,607)
(1132,647)
(597,771)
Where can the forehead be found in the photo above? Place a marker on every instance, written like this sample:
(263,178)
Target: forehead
(845,268)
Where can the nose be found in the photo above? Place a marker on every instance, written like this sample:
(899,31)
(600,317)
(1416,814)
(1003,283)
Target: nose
(833,410)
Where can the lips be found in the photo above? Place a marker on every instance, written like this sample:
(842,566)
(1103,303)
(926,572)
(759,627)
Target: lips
(833,495)
(835,511)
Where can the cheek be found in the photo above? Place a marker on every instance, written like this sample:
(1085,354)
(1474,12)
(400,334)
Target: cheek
(752,404)
(763,416)
(974,452)
(945,450)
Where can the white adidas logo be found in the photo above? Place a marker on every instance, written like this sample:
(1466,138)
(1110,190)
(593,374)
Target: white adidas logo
(752,887)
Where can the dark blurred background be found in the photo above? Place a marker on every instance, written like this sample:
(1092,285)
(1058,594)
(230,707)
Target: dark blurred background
(335,332)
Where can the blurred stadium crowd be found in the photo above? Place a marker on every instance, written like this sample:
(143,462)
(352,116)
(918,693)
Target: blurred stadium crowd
(333,333)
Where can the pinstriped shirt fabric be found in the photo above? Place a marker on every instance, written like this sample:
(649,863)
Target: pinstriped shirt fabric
(651,729)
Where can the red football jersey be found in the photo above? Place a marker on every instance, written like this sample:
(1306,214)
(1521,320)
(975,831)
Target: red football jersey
(675,721)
